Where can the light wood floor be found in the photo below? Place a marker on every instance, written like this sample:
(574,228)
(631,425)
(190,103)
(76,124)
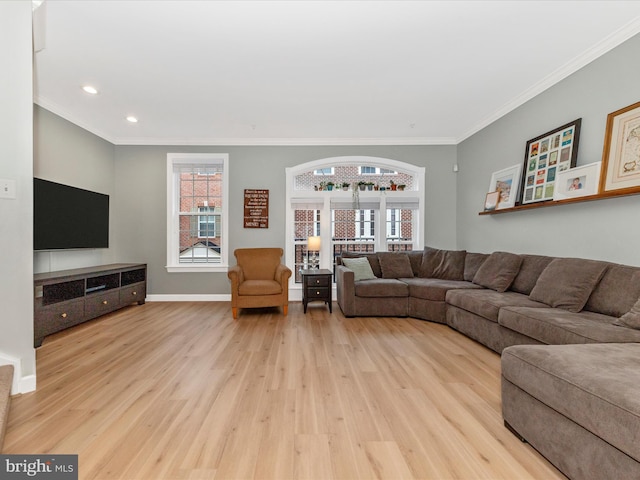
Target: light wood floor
(181,391)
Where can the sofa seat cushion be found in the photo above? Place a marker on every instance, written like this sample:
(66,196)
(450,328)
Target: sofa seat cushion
(434,288)
(381,287)
(595,386)
(260,287)
(558,326)
(487,303)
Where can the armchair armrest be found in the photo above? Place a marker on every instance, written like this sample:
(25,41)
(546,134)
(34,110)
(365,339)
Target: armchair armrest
(236,275)
(282,274)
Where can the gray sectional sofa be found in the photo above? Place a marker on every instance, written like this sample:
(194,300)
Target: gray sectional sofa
(568,330)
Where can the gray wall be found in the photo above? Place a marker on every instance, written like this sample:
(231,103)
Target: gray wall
(66,153)
(140,202)
(604,229)
(16,152)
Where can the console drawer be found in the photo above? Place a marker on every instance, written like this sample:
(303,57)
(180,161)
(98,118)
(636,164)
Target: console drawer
(57,317)
(96,305)
(133,293)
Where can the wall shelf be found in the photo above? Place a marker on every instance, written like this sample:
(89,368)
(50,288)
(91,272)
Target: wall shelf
(553,203)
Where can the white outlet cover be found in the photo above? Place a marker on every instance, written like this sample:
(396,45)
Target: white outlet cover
(7,188)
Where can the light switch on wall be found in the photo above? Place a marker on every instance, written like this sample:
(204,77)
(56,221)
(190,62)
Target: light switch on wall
(7,188)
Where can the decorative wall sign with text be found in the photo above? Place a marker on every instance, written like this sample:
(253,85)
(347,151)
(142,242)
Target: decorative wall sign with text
(256,208)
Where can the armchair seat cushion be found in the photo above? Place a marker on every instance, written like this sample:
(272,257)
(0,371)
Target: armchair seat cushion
(260,287)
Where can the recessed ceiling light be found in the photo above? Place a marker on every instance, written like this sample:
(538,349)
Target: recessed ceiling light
(90,89)
(132,119)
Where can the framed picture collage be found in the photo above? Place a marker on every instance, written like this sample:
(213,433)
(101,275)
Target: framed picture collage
(545,157)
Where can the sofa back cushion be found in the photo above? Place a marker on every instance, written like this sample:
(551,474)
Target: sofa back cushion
(617,291)
(498,271)
(372,257)
(472,262)
(567,283)
(630,319)
(415,257)
(443,264)
(531,268)
(395,265)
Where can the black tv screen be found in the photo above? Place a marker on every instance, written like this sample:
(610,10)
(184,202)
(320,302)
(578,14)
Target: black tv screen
(67,217)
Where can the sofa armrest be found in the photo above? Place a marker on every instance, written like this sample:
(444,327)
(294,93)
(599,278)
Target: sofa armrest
(346,290)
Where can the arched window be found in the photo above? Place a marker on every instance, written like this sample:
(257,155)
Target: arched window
(354,203)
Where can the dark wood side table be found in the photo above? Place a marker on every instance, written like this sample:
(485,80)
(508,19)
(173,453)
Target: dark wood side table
(316,285)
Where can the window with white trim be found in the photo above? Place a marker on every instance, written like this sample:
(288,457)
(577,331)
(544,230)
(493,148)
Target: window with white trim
(197,206)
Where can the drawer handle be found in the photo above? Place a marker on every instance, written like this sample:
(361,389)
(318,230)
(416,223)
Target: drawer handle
(134,293)
(64,315)
(104,302)
(317,293)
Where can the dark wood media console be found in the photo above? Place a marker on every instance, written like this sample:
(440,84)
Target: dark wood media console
(69,297)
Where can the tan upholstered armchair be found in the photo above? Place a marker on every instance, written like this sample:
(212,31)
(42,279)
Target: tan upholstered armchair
(259,279)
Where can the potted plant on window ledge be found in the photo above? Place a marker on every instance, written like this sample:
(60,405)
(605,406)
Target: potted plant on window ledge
(345,186)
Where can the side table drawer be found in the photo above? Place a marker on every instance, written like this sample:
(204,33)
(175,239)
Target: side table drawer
(320,293)
(319,281)
(96,305)
(57,317)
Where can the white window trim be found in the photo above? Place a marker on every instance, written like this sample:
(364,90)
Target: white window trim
(325,198)
(173,264)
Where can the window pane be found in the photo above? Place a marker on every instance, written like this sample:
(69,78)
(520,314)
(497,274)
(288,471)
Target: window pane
(399,229)
(200,207)
(306,224)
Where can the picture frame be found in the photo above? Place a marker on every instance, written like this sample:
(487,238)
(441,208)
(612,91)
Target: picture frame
(578,182)
(621,153)
(507,183)
(544,158)
(491,201)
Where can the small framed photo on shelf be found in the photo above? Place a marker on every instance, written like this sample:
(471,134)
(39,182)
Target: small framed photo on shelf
(621,155)
(491,201)
(506,182)
(545,157)
(578,182)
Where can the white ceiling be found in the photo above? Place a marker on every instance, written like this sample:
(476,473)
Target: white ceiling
(312,72)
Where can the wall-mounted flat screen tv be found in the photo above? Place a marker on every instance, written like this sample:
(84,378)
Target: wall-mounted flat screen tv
(67,217)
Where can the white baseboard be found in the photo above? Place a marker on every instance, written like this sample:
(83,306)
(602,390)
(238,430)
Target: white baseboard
(20,384)
(188,297)
(295,295)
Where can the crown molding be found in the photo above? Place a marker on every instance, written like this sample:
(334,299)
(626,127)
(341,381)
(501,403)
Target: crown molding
(382,141)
